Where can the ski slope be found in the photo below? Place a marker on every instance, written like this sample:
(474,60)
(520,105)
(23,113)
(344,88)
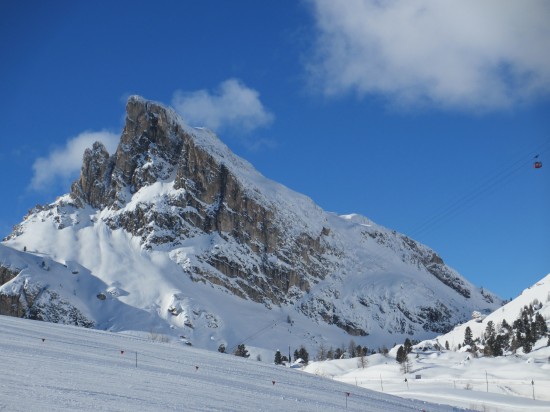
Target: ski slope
(53,367)
(512,383)
(501,384)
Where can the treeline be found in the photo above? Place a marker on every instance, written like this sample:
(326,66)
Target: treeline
(352,350)
(525,331)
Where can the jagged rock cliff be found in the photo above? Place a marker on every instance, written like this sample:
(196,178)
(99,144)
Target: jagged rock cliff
(206,197)
(180,193)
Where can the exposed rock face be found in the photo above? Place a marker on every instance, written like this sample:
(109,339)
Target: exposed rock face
(209,198)
(180,191)
(9,304)
(31,300)
(7,274)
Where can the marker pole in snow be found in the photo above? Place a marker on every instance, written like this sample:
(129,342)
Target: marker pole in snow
(289,359)
(347,395)
(533,384)
(382,386)
(136,359)
(487,381)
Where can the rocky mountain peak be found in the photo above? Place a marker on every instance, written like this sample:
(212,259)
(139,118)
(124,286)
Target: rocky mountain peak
(183,198)
(148,151)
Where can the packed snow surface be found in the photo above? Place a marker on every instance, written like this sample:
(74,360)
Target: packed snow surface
(512,383)
(502,384)
(53,367)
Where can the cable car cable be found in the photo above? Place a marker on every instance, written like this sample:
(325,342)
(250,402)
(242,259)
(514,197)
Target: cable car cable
(505,173)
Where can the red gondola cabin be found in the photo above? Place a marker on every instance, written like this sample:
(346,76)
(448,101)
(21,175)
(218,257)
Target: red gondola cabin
(537,165)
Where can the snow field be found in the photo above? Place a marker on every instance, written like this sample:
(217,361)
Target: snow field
(451,378)
(84,369)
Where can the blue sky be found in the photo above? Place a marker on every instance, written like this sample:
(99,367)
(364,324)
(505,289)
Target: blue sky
(424,116)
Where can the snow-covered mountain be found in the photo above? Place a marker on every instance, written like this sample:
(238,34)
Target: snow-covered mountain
(536,297)
(467,375)
(175,233)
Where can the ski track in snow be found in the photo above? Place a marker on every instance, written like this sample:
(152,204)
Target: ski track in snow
(82,369)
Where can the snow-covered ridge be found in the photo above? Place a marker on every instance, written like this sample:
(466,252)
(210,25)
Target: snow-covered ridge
(538,294)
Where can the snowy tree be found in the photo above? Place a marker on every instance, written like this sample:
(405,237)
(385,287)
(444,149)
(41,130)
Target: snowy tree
(403,359)
(278,357)
(241,351)
(490,331)
(301,354)
(468,339)
(352,349)
(408,345)
(401,354)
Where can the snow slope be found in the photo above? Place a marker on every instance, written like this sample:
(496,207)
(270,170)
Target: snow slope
(537,293)
(502,384)
(257,326)
(62,368)
(512,383)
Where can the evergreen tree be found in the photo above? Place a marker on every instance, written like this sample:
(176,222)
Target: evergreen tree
(528,340)
(540,326)
(401,354)
(278,358)
(241,351)
(408,345)
(490,339)
(498,346)
(490,331)
(447,344)
(403,359)
(351,349)
(301,353)
(221,348)
(468,340)
(504,326)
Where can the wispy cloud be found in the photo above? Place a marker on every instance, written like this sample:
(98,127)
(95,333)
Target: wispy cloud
(468,54)
(63,164)
(232,106)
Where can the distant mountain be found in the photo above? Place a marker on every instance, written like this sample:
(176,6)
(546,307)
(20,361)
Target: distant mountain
(174,232)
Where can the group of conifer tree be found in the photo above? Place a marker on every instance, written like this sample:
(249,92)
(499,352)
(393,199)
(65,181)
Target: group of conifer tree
(527,329)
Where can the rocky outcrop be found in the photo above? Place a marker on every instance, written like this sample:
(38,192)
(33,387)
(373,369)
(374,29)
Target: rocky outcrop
(7,274)
(35,301)
(209,198)
(94,183)
(10,305)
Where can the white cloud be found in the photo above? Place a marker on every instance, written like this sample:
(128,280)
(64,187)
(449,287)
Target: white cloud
(233,105)
(63,164)
(467,54)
